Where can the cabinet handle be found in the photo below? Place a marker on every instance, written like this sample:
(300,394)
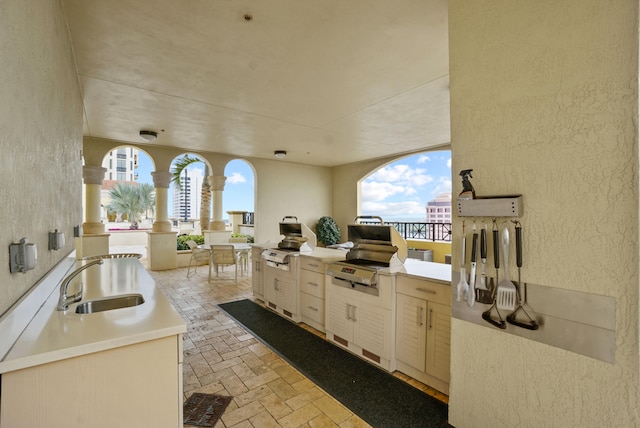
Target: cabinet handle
(420,315)
(430,318)
(275,284)
(313,265)
(312,308)
(348,311)
(354,313)
(312,283)
(425,290)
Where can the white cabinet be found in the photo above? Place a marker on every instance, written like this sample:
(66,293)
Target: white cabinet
(423,331)
(257,274)
(312,290)
(281,289)
(136,385)
(363,323)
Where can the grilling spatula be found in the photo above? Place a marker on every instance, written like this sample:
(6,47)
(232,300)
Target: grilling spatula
(506,292)
(471,295)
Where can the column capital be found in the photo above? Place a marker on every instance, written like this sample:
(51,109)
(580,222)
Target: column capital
(217,182)
(162,179)
(93,174)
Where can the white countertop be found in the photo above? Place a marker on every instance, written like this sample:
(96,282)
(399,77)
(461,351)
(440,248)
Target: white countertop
(326,254)
(419,269)
(54,335)
(322,253)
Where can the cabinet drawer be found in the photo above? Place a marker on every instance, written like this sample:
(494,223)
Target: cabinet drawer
(312,307)
(312,283)
(312,264)
(424,289)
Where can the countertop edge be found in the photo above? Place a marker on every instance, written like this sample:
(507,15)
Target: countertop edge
(86,349)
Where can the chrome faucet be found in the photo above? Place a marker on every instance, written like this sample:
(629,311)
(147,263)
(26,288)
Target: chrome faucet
(64,301)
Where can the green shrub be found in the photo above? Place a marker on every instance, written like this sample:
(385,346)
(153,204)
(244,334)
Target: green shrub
(328,231)
(182,241)
(240,235)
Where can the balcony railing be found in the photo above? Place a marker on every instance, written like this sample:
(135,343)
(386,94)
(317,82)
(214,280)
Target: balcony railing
(408,230)
(420,230)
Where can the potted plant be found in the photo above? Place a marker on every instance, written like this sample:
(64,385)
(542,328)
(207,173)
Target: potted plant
(328,231)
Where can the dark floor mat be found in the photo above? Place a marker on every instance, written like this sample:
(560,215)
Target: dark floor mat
(376,396)
(204,410)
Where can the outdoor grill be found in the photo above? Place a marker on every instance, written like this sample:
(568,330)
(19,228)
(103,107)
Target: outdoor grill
(297,238)
(375,246)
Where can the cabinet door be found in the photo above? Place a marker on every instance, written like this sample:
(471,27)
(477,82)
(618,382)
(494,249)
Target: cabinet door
(287,294)
(372,329)
(270,291)
(411,331)
(257,278)
(338,317)
(438,340)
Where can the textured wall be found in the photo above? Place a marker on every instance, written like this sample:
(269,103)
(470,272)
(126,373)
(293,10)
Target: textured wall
(40,137)
(544,101)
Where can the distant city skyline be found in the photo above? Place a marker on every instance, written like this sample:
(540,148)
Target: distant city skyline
(398,191)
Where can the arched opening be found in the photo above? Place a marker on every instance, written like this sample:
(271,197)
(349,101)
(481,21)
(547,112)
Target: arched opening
(413,194)
(190,194)
(127,199)
(239,198)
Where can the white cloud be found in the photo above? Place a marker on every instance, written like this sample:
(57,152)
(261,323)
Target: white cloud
(389,209)
(423,159)
(235,178)
(449,163)
(375,191)
(443,186)
(402,175)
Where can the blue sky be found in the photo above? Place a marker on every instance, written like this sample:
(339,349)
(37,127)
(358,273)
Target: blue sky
(398,191)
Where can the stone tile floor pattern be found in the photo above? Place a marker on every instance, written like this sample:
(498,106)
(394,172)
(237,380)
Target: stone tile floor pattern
(220,357)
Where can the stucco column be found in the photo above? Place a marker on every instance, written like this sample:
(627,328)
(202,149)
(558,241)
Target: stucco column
(93,177)
(217,186)
(161,182)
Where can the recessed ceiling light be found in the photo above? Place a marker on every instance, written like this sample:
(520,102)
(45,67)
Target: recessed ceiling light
(280,154)
(148,136)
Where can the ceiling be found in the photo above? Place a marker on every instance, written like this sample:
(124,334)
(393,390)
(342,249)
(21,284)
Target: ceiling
(329,81)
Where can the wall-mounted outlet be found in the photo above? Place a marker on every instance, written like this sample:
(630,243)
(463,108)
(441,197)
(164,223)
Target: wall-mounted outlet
(56,240)
(22,256)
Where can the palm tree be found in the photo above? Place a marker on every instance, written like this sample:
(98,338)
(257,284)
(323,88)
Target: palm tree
(147,198)
(131,200)
(205,194)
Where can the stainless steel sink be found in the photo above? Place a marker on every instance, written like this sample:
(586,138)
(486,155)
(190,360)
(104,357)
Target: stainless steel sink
(109,303)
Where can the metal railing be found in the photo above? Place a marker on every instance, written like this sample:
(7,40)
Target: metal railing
(408,230)
(420,230)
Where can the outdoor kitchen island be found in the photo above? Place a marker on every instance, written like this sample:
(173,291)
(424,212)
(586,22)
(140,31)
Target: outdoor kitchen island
(120,367)
(405,327)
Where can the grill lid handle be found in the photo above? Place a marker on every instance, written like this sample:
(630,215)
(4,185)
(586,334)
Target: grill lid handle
(289,217)
(368,217)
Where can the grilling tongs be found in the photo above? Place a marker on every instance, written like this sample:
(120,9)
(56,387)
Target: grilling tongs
(531,324)
(486,315)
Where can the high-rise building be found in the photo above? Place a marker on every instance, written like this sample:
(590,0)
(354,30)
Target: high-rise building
(186,197)
(439,209)
(121,164)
